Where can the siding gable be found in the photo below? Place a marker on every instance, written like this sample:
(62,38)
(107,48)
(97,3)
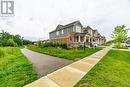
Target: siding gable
(66,30)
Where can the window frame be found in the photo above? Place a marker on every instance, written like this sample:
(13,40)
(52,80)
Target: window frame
(62,31)
(57,33)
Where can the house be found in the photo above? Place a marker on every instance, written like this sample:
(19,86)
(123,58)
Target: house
(74,34)
(128,39)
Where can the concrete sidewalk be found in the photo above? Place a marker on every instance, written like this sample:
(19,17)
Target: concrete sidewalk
(69,75)
(121,49)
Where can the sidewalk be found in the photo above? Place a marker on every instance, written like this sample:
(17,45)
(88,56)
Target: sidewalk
(121,49)
(69,75)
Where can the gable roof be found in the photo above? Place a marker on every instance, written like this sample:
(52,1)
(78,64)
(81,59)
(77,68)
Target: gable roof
(72,24)
(88,27)
(60,27)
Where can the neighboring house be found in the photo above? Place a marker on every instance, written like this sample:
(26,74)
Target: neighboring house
(128,39)
(40,41)
(74,34)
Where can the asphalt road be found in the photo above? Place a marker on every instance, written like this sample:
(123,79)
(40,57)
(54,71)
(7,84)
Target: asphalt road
(44,64)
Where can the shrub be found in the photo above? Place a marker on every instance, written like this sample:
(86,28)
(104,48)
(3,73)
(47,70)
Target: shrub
(119,46)
(128,41)
(50,44)
(2,52)
(64,46)
(81,47)
(107,43)
(11,43)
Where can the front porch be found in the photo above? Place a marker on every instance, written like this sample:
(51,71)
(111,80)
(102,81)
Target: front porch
(80,39)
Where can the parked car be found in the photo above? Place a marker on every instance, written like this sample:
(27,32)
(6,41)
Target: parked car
(95,44)
(128,44)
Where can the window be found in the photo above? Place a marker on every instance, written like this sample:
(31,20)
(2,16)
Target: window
(62,32)
(78,29)
(85,31)
(57,33)
(90,32)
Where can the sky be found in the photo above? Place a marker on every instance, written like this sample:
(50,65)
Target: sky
(34,19)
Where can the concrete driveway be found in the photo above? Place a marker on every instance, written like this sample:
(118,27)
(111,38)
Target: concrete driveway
(44,64)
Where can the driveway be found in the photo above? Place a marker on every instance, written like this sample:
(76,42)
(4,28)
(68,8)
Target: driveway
(44,64)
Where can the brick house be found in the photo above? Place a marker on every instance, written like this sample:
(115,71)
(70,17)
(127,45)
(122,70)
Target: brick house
(74,34)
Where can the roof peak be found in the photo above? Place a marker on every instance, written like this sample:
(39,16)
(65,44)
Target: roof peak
(72,22)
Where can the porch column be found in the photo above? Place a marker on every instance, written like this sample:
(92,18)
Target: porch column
(73,39)
(89,39)
(84,38)
(79,39)
(98,41)
(92,40)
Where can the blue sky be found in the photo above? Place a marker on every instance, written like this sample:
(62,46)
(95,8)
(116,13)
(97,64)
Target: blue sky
(35,18)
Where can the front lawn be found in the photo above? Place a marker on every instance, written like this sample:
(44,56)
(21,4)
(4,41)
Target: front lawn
(65,53)
(15,69)
(107,43)
(112,71)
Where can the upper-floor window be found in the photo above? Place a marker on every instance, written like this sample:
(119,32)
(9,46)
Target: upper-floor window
(90,32)
(85,31)
(78,29)
(57,33)
(62,32)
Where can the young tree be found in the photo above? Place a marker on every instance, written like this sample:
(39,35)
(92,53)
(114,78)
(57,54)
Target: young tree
(7,39)
(26,42)
(18,39)
(120,34)
(4,36)
(10,42)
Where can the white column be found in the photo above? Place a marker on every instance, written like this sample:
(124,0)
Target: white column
(73,39)
(79,39)
(92,40)
(84,38)
(98,41)
(89,39)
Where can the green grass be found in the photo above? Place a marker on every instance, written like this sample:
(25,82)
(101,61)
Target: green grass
(107,43)
(112,71)
(15,69)
(65,53)
(120,47)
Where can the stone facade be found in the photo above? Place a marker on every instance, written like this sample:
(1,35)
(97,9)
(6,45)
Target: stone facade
(74,34)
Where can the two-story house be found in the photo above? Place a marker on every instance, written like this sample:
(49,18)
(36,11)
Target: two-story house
(74,34)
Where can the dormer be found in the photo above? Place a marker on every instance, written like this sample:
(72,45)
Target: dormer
(88,30)
(78,27)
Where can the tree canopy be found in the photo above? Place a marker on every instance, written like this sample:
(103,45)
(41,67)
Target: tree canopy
(120,33)
(7,39)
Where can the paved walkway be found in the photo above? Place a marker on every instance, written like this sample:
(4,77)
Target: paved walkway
(121,49)
(69,75)
(44,64)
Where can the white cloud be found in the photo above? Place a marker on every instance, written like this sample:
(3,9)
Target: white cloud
(35,18)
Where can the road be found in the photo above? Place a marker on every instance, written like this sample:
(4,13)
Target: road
(44,64)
